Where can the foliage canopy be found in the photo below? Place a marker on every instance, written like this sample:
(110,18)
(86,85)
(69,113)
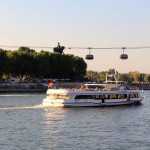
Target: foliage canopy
(43,64)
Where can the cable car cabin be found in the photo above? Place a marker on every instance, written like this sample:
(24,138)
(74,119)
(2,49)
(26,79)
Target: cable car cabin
(123,56)
(89,57)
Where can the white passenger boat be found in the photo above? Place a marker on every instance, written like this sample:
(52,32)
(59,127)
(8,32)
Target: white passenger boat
(112,93)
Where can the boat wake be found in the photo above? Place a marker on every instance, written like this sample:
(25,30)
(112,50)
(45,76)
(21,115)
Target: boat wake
(40,106)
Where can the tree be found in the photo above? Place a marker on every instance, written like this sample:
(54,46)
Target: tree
(42,64)
(13,63)
(79,69)
(136,76)
(26,62)
(3,62)
(146,77)
(24,49)
(124,77)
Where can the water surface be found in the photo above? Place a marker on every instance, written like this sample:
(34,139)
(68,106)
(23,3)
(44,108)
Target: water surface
(26,125)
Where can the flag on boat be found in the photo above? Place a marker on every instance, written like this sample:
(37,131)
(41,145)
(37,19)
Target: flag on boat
(50,84)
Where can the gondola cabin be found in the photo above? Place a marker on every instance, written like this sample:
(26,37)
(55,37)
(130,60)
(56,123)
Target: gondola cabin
(89,57)
(123,56)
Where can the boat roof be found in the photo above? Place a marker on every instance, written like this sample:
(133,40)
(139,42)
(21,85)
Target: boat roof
(90,92)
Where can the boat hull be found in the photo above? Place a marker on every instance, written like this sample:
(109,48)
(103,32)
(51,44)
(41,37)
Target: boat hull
(88,104)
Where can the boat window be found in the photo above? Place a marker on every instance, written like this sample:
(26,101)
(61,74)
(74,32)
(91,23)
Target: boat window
(121,96)
(106,96)
(99,97)
(78,97)
(89,97)
(114,96)
(135,95)
(83,97)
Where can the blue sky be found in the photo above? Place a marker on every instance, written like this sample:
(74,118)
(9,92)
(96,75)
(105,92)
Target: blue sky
(82,23)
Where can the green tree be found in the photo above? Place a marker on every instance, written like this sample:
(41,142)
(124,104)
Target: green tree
(79,69)
(136,76)
(26,62)
(3,62)
(42,65)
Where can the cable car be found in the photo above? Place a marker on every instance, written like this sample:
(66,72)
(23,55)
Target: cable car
(89,56)
(123,56)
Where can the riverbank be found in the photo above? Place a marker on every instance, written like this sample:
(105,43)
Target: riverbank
(142,86)
(33,87)
(40,87)
(22,87)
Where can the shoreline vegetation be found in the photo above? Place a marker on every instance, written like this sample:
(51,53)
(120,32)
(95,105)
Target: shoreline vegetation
(22,87)
(27,64)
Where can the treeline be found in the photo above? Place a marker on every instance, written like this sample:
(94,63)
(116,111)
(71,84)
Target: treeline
(26,62)
(134,76)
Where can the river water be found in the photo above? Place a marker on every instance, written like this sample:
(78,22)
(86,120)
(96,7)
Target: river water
(26,125)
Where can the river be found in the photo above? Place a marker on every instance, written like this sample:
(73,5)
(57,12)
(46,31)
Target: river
(26,125)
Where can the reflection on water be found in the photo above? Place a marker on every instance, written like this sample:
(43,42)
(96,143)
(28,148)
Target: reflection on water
(26,124)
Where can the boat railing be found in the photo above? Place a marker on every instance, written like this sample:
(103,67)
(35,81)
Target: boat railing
(100,89)
(87,89)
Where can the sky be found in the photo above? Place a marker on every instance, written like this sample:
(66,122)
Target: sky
(81,23)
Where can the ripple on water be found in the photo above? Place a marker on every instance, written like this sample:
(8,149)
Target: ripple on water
(25,124)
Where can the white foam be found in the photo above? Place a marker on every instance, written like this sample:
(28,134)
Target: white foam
(40,106)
